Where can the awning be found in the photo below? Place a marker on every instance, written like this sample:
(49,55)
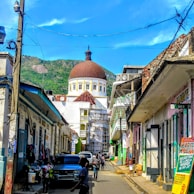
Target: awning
(39,99)
(168,80)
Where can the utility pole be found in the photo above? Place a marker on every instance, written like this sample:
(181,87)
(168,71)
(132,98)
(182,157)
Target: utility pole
(14,117)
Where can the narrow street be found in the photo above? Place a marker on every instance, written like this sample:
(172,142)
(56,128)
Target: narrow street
(108,182)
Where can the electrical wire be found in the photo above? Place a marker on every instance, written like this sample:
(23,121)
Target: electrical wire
(105,35)
(167,49)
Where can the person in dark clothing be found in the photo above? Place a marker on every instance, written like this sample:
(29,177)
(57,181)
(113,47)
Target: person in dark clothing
(46,176)
(45,180)
(83,177)
(30,154)
(102,159)
(26,171)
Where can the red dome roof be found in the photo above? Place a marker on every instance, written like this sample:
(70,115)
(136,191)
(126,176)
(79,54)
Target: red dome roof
(87,69)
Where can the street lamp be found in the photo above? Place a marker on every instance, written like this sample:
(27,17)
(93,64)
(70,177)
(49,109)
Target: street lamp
(14,119)
(17,7)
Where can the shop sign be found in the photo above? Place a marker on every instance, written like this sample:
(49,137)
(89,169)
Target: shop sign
(184,166)
(180,106)
(183,174)
(187,145)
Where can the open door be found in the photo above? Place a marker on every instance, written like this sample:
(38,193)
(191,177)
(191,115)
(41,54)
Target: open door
(22,139)
(152,151)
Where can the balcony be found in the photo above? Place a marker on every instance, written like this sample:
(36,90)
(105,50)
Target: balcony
(82,133)
(84,118)
(115,134)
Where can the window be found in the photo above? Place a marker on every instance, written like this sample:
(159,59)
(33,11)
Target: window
(67,160)
(94,86)
(82,127)
(74,87)
(100,89)
(85,112)
(87,86)
(80,86)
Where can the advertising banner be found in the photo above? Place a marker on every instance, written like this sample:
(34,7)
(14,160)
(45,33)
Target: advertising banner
(184,167)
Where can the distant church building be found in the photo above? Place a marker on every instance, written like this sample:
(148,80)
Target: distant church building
(85,106)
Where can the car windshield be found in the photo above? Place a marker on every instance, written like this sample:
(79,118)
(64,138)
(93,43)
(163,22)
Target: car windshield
(86,155)
(67,160)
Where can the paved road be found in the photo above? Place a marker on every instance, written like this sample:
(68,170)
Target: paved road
(108,183)
(111,183)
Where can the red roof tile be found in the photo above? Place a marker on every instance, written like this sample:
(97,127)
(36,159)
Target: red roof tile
(85,97)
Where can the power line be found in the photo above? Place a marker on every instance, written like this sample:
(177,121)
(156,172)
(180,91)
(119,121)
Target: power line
(105,35)
(167,49)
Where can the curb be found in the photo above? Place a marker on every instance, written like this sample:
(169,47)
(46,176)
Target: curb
(136,185)
(130,179)
(32,190)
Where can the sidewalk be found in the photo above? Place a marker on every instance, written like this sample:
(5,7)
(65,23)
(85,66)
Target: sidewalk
(146,186)
(33,189)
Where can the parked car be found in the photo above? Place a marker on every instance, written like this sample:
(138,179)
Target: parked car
(66,168)
(87,155)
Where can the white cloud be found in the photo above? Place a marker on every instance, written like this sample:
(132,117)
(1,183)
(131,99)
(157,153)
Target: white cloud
(125,44)
(53,22)
(175,3)
(62,21)
(80,20)
(160,38)
(178,4)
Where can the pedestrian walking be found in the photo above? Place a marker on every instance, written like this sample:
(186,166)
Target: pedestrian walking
(46,175)
(102,161)
(83,177)
(26,169)
(96,165)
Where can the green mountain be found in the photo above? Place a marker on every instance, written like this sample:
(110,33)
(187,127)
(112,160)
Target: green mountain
(53,75)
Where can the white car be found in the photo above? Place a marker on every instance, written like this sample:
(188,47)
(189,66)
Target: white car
(87,155)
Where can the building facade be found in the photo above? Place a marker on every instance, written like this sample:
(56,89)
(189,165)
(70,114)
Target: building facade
(164,110)
(85,106)
(40,130)
(123,98)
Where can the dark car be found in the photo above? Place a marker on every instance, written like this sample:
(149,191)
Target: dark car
(66,168)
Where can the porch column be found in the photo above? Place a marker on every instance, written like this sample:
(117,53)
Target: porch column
(192,107)
(4,128)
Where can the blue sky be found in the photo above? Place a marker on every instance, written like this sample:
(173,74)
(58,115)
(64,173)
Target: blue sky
(119,32)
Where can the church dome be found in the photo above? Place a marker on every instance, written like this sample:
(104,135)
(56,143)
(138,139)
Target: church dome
(87,69)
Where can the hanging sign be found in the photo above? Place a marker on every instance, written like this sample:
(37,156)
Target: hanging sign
(180,106)
(187,145)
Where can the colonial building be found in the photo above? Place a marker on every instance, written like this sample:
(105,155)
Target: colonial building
(85,105)
(123,97)
(41,128)
(165,110)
